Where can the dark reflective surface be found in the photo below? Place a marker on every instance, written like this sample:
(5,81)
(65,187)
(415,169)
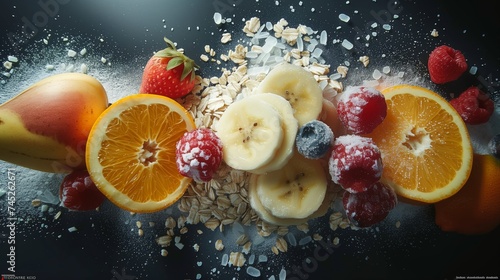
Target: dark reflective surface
(106,245)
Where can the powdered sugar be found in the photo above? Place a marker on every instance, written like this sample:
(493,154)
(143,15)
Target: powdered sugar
(350,90)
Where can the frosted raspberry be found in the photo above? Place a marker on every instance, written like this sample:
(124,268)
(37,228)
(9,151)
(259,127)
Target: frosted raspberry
(78,192)
(370,207)
(355,163)
(361,109)
(199,154)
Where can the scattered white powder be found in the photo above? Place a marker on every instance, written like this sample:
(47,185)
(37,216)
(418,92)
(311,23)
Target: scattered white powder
(127,82)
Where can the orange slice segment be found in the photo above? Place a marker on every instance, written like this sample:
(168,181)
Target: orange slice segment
(130,152)
(425,145)
(474,209)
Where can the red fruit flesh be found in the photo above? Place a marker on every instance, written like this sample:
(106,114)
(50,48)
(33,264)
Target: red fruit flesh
(446,64)
(370,207)
(78,192)
(474,106)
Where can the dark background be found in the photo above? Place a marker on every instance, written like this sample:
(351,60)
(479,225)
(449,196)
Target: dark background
(104,246)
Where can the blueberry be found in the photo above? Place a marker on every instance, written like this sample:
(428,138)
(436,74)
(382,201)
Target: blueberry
(494,146)
(314,139)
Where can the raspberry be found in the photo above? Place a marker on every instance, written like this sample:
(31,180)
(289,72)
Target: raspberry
(370,207)
(314,139)
(361,109)
(446,64)
(199,154)
(78,192)
(474,106)
(355,163)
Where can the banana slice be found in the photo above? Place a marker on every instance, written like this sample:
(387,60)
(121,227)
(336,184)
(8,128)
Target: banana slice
(298,86)
(266,216)
(289,127)
(251,133)
(294,192)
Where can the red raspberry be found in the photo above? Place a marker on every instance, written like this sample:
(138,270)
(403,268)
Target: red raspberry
(361,109)
(78,192)
(355,163)
(474,106)
(446,64)
(199,154)
(370,207)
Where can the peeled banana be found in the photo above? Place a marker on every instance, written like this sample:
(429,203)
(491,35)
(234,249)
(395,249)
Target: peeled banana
(46,126)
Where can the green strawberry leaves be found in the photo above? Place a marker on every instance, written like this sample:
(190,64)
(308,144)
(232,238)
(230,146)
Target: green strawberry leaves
(178,58)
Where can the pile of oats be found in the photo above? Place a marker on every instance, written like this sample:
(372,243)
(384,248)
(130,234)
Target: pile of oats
(223,201)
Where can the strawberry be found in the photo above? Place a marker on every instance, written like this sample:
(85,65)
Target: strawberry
(169,73)
(474,106)
(446,64)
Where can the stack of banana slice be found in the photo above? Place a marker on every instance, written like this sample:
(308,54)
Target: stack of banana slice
(258,135)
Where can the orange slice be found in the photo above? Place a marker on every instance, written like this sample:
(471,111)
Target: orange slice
(425,145)
(131,152)
(474,209)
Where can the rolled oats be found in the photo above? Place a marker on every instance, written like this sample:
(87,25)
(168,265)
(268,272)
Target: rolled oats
(275,250)
(237,259)
(342,70)
(226,38)
(204,57)
(170,223)
(36,202)
(251,26)
(304,227)
(212,223)
(317,237)
(335,220)
(242,239)
(365,60)
(246,247)
(164,240)
(219,246)
(281,245)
